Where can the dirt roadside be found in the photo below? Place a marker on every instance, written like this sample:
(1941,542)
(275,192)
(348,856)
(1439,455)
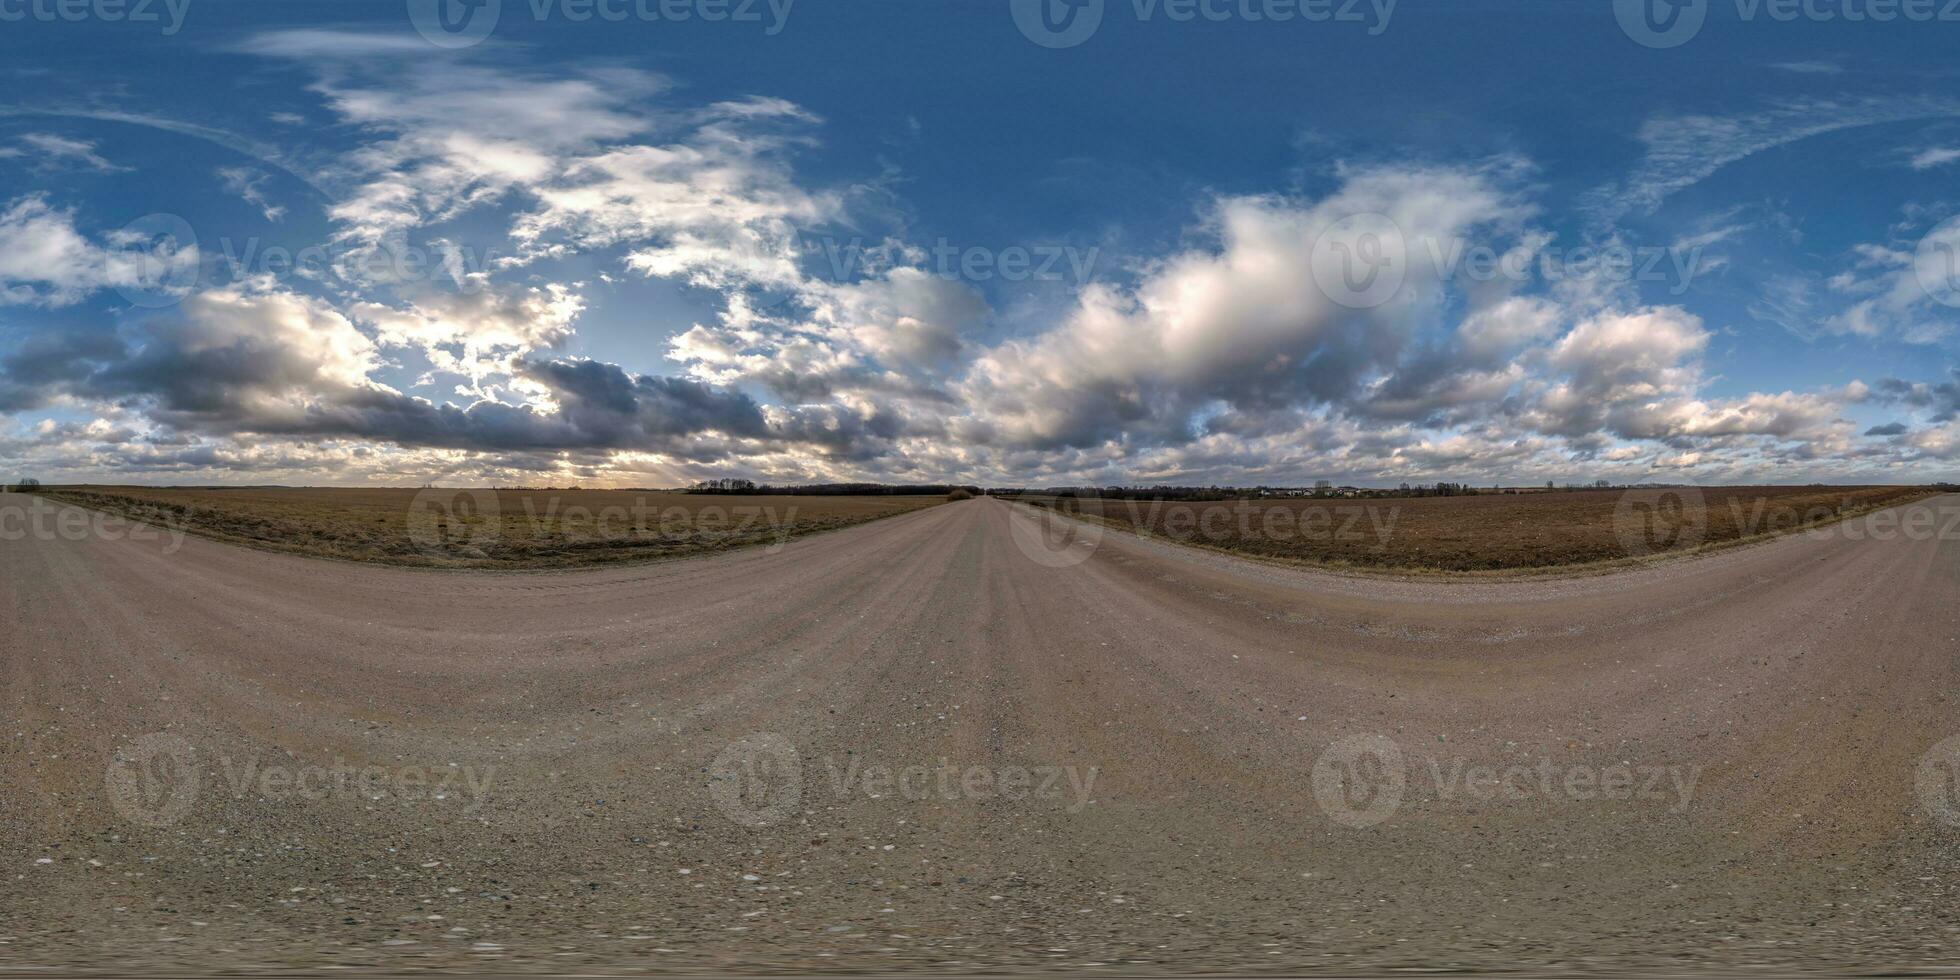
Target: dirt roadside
(933,743)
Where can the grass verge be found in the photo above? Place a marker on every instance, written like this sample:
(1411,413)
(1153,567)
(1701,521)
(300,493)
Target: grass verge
(487,529)
(1491,535)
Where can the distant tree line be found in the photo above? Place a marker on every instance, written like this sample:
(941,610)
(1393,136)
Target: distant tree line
(729,486)
(26,484)
(1320,489)
(1217,493)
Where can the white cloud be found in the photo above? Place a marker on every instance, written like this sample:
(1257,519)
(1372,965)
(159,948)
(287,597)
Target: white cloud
(1622,372)
(59,151)
(1684,150)
(1244,323)
(249,184)
(45,261)
(311,44)
(453,137)
(1222,360)
(1938,156)
(475,332)
(719,207)
(1889,283)
(1507,326)
(1941,442)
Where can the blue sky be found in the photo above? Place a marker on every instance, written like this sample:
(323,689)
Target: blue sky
(919,240)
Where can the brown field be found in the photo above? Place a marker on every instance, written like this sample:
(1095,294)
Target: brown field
(502,529)
(1488,532)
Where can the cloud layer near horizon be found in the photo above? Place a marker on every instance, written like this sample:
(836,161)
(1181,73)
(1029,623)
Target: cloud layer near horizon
(1230,360)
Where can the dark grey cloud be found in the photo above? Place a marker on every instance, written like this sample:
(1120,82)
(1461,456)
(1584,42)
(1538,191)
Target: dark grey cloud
(609,408)
(1888,429)
(841,433)
(1942,400)
(192,377)
(600,407)
(33,372)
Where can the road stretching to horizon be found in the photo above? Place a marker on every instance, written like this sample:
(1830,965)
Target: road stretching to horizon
(945,741)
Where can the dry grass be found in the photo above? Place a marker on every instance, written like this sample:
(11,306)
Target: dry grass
(1489,532)
(503,529)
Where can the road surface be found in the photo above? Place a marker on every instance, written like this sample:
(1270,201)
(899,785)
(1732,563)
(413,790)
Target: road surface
(946,742)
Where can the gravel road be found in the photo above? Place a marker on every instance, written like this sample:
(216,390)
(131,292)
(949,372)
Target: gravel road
(946,742)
